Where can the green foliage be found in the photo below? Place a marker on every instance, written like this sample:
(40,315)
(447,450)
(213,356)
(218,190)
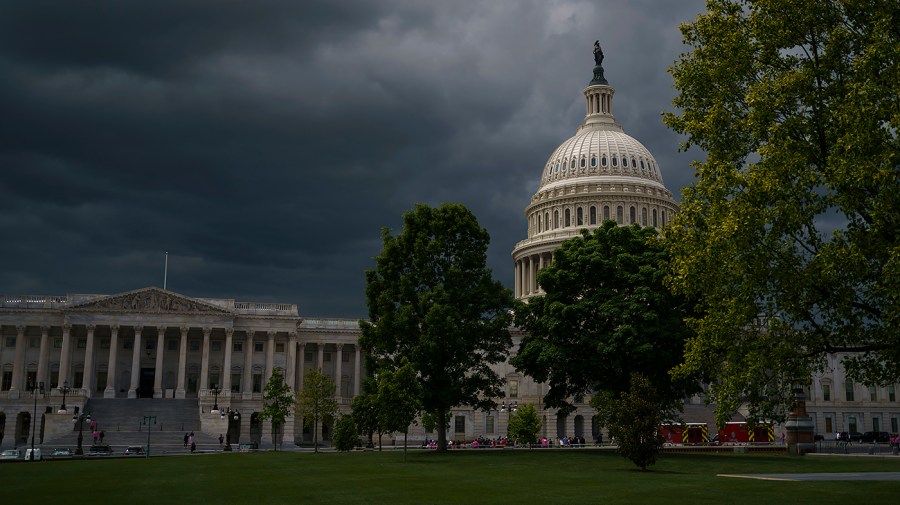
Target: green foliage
(399,397)
(605,315)
(632,418)
(278,403)
(432,300)
(316,401)
(364,410)
(524,425)
(345,436)
(789,238)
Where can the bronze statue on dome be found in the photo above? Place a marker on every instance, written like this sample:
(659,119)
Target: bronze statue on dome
(598,54)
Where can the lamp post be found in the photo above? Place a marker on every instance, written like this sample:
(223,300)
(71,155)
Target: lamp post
(147,421)
(231,415)
(79,420)
(34,391)
(64,390)
(509,409)
(216,391)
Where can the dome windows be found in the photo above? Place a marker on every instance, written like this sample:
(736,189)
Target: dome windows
(583,162)
(593,161)
(642,164)
(633,163)
(624,162)
(568,218)
(579,216)
(593,215)
(603,161)
(557,168)
(615,162)
(573,162)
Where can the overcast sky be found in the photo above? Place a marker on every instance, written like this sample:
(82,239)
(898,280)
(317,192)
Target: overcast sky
(265,144)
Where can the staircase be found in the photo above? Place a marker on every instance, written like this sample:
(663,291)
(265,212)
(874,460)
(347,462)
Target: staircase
(125,422)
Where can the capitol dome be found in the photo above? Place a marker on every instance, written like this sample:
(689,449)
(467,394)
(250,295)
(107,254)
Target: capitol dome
(599,174)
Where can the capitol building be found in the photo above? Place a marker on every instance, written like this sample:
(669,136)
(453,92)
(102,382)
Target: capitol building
(213,356)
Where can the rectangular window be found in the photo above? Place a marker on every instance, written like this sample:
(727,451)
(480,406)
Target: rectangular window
(828,427)
(235,383)
(79,380)
(258,346)
(214,379)
(279,347)
(54,379)
(257,383)
(173,344)
(489,424)
(6,383)
(849,390)
(851,424)
(216,345)
(101,382)
(892,394)
(308,356)
(34,342)
(894,425)
(194,345)
(31,381)
(826,392)
(104,343)
(150,344)
(872,395)
(128,343)
(513,389)
(345,356)
(82,343)
(237,346)
(460,424)
(57,343)
(10,342)
(876,424)
(327,357)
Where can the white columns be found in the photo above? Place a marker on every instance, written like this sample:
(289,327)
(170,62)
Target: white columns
(160,351)
(517,288)
(321,361)
(64,357)
(18,364)
(44,356)
(135,363)
(270,355)
(88,377)
(357,370)
(204,362)
(110,391)
(290,376)
(338,367)
(226,364)
(247,383)
(180,392)
(301,370)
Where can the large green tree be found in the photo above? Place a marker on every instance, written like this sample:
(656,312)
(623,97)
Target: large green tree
(524,425)
(605,314)
(316,401)
(432,300)
(278,404)
(790,237)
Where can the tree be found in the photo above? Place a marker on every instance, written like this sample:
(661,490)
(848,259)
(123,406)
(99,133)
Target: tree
(789,238)
(278,403)
(633,418)
(346,435)
(432,300)
(605,314)
(524,425)
(399,399)
(364,410)
(316,401)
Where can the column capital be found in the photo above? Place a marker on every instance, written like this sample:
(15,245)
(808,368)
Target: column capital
(45,329)
(272,334)
(114,328)
(67,328)
(162,329)
(292,336)
(229,332)
(90,327)
(138,329)
(20,330)
(184,329)
(249,333)
(339,345)
(206,331)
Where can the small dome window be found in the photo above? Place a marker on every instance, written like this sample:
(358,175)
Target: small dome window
(615,162)
(557,167)
(573,162)
(582,162)
(642,164)
(633,163)
(593,161)
(624,162)
(603,160)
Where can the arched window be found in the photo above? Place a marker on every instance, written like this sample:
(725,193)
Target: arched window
(579,215)
(555,219)
(568,218)
(593,161)
(624,162)
(539,223)
(655,225)
(642,164)
(633,163)
(615,162)
(606,213)
(582,162)
(644,216)
(632,214)
(593,215)
(557,168)
(603,160)
(620,214)
(573,162)
(547,219)
(663,218)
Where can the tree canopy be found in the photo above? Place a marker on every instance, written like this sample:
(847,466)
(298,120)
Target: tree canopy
(278,403)
(789,237)
(432,300)
(633,418)
(605,314)
(524,424)
(399,399)
(316,401)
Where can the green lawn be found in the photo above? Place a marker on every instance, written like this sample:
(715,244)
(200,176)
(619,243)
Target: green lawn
(471,476)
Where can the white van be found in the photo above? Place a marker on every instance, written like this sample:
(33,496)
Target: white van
(37,454)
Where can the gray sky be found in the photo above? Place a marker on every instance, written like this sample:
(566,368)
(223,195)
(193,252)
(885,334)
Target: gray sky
(265,144)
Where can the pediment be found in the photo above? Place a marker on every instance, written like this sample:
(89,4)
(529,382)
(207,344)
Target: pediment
(149,300)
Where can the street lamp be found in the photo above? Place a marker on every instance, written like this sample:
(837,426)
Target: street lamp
(64,390)
(216,391)
(79,420)
(232,415)
(509,409)
(34,391)
(148,420)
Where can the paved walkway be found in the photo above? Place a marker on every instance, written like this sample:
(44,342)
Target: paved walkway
(794,477)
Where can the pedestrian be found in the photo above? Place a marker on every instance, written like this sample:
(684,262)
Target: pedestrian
(193,447)
(96,436)
(93,425)
(191,439)
(101,436)
(221,439)
(185,440)
(782,439)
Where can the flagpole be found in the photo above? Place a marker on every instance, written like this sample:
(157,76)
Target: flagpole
(166,271)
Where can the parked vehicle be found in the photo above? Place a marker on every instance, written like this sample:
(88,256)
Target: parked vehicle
(61,453)
(37,454)
(100,450)
(248,448)
(881,437)
(134,450)
(10,454)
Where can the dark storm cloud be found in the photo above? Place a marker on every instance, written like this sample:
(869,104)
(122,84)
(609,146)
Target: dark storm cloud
(265,144)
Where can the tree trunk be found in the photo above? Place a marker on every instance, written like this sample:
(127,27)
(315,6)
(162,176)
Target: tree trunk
(405,437)
(442,429)
(315,433)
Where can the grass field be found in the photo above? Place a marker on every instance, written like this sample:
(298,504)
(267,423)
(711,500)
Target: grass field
(472,476)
